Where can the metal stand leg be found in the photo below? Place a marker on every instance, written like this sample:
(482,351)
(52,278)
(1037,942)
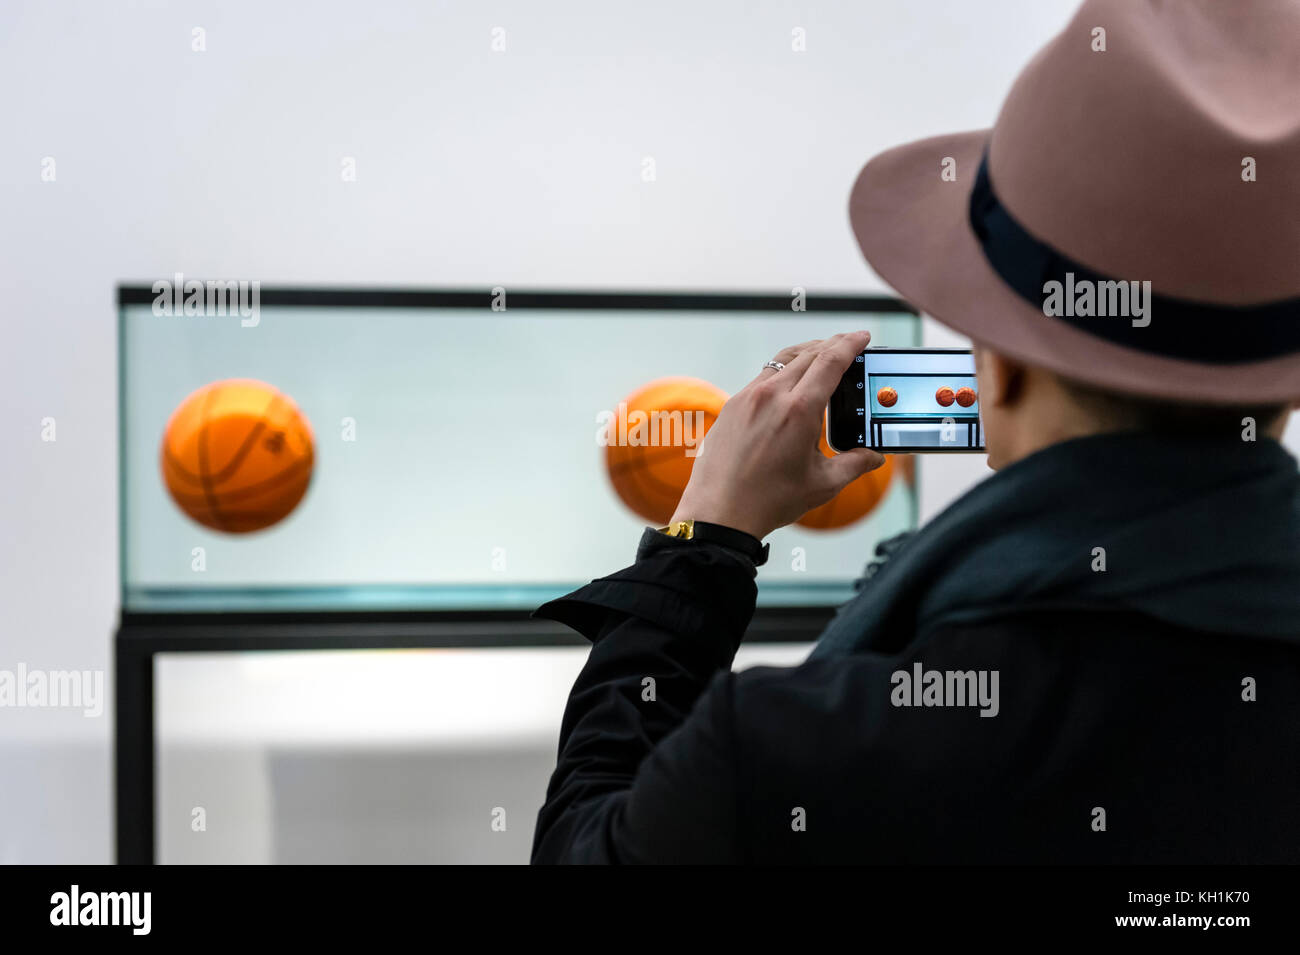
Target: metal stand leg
(133,753)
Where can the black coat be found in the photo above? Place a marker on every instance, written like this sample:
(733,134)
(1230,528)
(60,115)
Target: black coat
(1105,717)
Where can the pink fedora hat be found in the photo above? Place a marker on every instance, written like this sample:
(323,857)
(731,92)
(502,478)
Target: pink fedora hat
(1152,141)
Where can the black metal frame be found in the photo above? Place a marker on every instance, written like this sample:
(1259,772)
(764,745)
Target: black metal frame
(972,423)
(140,636)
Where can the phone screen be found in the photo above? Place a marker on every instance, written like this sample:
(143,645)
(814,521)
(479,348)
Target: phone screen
(908,400)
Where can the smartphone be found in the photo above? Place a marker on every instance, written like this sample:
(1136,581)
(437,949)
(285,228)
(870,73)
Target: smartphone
(907,401)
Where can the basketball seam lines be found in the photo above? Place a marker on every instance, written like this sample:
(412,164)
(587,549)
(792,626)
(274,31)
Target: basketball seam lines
(233,466)
(280,477)
(203,462)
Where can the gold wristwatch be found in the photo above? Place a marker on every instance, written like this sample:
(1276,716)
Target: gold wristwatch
(729,537)
(683,529)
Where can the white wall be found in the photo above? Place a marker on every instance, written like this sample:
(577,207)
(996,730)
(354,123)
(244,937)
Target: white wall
(475,168)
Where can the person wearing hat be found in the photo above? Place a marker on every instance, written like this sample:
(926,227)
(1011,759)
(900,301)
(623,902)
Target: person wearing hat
(1094,655)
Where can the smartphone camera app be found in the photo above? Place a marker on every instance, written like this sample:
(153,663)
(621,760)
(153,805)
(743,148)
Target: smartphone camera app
(909,400)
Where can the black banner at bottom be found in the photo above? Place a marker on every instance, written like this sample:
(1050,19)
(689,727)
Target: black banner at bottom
(207,904)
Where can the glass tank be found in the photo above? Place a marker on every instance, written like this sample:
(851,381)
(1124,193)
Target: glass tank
(454,456)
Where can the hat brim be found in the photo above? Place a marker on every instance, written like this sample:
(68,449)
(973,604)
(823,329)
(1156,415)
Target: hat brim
(913,228)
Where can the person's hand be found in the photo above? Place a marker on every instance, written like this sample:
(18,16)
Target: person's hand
(759,467)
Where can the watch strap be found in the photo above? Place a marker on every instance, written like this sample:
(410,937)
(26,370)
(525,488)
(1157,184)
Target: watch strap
(746,544)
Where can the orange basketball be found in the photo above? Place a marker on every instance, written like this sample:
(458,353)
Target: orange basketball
(965,397)
(887,396)
(944,396)
(854,502)
(647,441)
(237,455)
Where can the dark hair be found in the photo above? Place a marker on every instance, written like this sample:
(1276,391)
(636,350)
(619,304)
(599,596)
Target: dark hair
(1139,413)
